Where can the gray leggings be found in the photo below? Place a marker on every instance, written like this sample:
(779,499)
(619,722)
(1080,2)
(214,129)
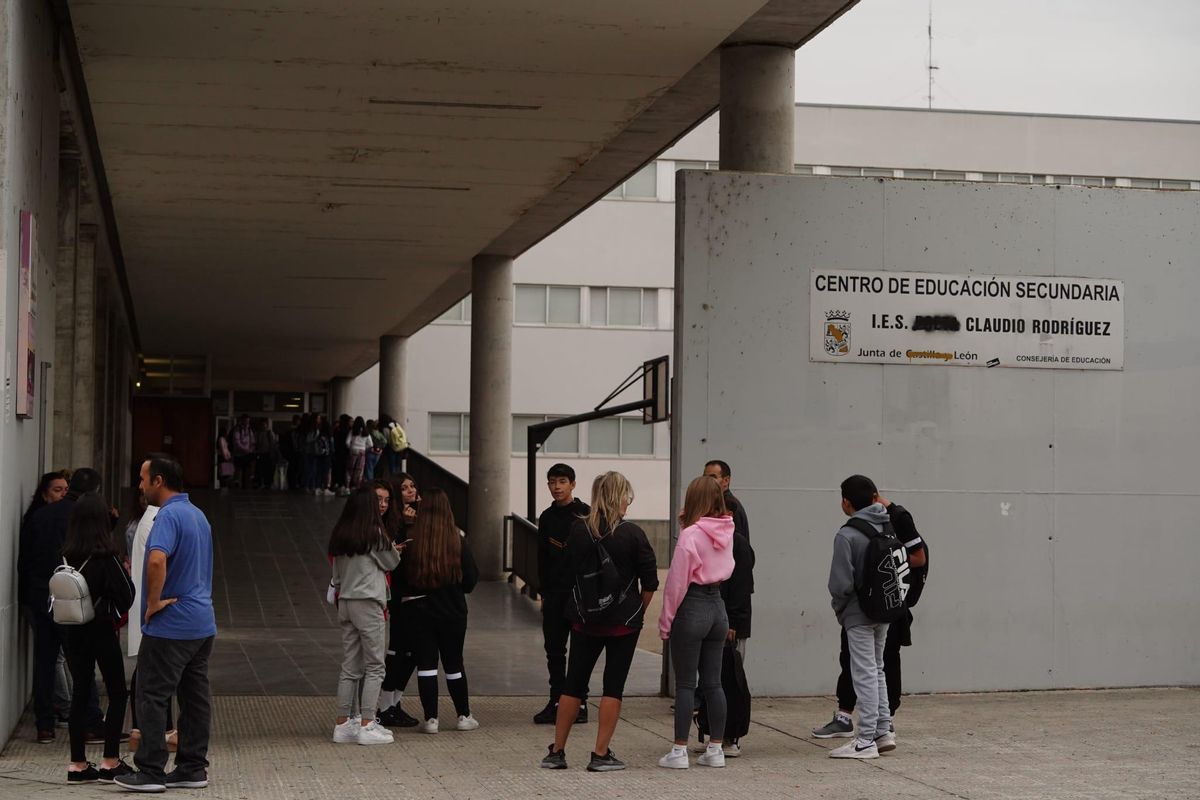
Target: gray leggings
(697,641)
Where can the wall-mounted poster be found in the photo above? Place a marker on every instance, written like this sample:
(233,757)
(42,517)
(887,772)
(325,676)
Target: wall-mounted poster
(28,260)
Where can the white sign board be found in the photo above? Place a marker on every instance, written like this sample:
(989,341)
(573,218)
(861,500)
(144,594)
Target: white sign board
(966,320)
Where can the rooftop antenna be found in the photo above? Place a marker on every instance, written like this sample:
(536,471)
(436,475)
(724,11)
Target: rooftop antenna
(929,60)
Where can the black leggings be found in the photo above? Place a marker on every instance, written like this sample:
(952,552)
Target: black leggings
(434,640)
(91,645)
(401,660)
(585,652)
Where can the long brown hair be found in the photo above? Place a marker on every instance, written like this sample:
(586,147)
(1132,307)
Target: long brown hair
(89,532)
(434,559)
(359,530)
(704,498)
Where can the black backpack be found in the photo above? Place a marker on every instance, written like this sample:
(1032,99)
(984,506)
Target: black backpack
(604,596)
(883,585)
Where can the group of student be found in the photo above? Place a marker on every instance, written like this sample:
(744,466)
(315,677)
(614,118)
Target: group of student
(401,570)
(78,591)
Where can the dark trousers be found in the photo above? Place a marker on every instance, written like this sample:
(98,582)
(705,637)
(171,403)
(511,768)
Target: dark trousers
(90,645)
(401,660)
(847,698)
(48,639)
(441,640)
(133,705)
(245,470)
(556,633)
(585,652)
(265,467)
(179,668)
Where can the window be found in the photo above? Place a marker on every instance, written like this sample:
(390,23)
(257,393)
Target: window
(943,175)
(449,433)
(538,304)
(803,169)
(459,312)
(918,173)
(847,172)
(621,436)
(642,185)
(564,441)
(625,307)
(873,172)
(1167,184)
(706,165)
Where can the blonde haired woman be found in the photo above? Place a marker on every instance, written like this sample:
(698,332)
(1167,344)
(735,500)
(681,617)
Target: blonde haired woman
(615,576)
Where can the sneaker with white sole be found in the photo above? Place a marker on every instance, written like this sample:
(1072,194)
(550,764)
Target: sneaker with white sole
(429,726)
(699,746)
(714,756)
(732,750)
(840,727)
(374,733)
(886,743)
(676,758)
(347,732)
(467,723)
(855,749)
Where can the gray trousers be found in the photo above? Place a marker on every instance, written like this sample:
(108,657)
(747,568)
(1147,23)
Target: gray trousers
(177,668)
(865,643)
(364,647)
(697,639)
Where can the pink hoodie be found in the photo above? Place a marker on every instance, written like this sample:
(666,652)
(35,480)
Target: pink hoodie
(703,555)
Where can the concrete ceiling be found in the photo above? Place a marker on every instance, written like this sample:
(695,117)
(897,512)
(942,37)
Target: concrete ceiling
(292,180)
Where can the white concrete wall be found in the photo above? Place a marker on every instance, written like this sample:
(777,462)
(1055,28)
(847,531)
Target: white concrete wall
(29,125)
(1058,504)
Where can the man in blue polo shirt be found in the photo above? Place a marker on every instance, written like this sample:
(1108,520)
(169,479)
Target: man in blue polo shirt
(178,628)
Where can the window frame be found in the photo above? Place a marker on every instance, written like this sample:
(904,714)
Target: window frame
(464,433)
(546,323)
(641,326)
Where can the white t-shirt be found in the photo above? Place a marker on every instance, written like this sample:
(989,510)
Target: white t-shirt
(137,562)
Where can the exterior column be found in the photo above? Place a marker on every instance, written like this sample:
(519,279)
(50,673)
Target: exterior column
(491,410)
(758,98)
(339,397)
(83,400)
(392,351)
(63,369)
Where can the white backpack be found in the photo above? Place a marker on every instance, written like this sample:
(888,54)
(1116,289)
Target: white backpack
(70,600)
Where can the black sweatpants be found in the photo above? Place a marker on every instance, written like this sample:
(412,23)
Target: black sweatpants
(177,667)
(88,646)
(443,640)
(896,635)
(401,659)
(585,652)
(556,633)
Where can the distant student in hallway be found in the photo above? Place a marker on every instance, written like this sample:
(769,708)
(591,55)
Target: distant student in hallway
(721,471)
(363,554)
(358,440)
(554,575)
(597,627)
(439,572)
(693,618)
(899,632)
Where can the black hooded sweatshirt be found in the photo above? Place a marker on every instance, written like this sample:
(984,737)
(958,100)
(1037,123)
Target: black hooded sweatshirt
(554,525)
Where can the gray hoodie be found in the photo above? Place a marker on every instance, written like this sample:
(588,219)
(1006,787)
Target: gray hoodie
(845,572)
(364,577)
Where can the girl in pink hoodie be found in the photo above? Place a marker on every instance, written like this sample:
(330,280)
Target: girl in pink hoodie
(693,616)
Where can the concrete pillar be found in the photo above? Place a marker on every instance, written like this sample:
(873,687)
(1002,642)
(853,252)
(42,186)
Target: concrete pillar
(63,364)
(83,399)
(491,409)
(391,378)
(758,98)
(339,397)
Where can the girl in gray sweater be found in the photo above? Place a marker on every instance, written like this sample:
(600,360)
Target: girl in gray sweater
(362,554)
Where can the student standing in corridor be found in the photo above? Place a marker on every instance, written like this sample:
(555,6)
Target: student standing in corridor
(722,472)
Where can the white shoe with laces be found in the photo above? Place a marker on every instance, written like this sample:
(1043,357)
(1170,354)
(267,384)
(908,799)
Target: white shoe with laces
(467,723)
(713,756)
(732,750)
(676,758)
(855,748)
(374,733)
(347,732)
(429,726)
(885,743)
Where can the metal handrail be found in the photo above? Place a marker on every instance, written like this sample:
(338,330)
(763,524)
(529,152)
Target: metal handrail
(429,474)
(521,553)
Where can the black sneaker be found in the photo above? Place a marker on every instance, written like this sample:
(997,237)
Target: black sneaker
(139,782)
(605,763)
(555,760)
(548,715)
(177,780)
(109,775)
(395,717)
(89,775)
(582,715)
(97,736)
(45,736)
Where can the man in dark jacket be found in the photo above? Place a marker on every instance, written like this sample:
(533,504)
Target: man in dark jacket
(556,583)
(40,552)
(721,471)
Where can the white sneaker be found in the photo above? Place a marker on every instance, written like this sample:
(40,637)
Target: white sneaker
(855,748)
(714,756)
(885,743)
(675,759)
(374,733)
(732,750)
(700,746)
(347,732)
(428,726)
(467,723)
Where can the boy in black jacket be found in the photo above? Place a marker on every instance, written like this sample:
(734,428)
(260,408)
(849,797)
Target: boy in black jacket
(556,582)
(898,635)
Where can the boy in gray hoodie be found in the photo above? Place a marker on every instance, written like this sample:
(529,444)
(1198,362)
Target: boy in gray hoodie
(865,636)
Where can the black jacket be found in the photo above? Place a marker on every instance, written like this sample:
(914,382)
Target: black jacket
(554,526)
(446,603)
(734,506)
(629,550)
(737,589)
(42,540)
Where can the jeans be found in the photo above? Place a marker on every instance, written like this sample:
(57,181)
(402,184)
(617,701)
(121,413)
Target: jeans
(585,652)
(847,699)
(355,464)
(372,460)
(92,645)
(697,639)
(48,641)
(363,646)
(866,643)
(393,460)
(179,668)
(556,632)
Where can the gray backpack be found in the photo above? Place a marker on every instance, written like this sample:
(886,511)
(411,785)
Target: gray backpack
(70,600)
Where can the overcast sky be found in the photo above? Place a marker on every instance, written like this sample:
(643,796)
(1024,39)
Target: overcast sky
(1102,57)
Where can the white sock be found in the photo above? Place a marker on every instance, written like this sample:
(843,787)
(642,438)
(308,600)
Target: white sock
(714,748)
(678,750)
(843,716)
(385,699)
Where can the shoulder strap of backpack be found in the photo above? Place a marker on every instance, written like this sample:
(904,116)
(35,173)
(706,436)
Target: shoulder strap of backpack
(862,526)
